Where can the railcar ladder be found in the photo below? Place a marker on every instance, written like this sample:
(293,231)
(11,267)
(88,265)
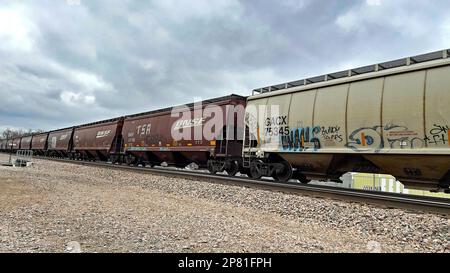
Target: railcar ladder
(247,156)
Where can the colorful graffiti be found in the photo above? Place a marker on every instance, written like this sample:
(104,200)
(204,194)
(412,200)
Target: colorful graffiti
(371,138)
(365,138)
(301,139)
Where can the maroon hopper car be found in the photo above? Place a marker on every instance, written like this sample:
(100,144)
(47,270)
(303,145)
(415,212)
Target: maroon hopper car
(25,144)
(8,145)
(148,137)
(2,144)
(39,143)
(60,142)
(99,141)
(16,144)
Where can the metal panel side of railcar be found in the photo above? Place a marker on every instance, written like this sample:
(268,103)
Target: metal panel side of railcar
(395,123)
(60,142)
(25,144)
(100,140)
(39,143)
(16,144)
(148,137)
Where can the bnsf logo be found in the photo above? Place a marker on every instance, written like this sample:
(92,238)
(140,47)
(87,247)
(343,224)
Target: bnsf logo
(101,134)
(186,123)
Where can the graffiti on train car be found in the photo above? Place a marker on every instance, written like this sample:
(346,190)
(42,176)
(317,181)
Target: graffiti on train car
(331,133)
(439,134)
(364,138)
(371,138)
(302,139)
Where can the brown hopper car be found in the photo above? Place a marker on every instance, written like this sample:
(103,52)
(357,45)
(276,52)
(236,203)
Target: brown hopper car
(25,144)
(39,144)
(98,141)
(8,144)
(148,137)
(2,144)
(16,144)
(60,142)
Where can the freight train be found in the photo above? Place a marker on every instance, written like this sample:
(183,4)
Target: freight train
(391,117)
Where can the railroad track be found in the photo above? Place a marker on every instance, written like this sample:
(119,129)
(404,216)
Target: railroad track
(383,199)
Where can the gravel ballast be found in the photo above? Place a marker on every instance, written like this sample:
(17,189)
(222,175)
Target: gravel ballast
(61,207)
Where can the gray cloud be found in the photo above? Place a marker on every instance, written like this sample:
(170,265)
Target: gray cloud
(65,64)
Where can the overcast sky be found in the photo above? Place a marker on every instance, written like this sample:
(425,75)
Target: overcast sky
(66,62)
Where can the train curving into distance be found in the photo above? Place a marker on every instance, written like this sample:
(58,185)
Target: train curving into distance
(391,117)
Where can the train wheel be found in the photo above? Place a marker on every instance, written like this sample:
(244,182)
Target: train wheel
(113,159)
(283,174)
(255,169)
(129,159)
(232,168)
(211,168)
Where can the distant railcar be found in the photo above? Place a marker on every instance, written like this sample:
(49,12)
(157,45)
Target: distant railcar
(8,145)
(39,144)
(16,144)
(59,142)
(2,145)
(98,141)
(389,118)
(149,137)
(25,143)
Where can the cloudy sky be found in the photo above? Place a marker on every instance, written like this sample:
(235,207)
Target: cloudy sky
(65,62)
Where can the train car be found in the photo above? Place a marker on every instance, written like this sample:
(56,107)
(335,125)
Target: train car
(391,118)
(98,141)
(16,144)
(8,145)
(39,144)
(59,143)
(2,145)
(154,137)
(25,143)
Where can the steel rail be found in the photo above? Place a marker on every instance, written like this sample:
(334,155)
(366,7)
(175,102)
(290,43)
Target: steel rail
(383,199)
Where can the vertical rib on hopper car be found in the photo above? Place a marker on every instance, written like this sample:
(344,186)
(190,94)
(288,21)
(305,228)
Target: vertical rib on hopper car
(371,119)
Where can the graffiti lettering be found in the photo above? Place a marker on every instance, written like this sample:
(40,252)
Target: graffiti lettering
(301,139)
(438,135)
(365,138)
(331,133)
(371,138)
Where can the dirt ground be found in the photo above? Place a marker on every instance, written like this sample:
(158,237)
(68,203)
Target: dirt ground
(58,207)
